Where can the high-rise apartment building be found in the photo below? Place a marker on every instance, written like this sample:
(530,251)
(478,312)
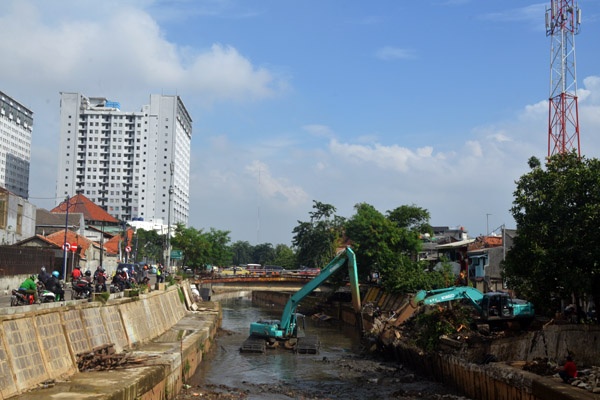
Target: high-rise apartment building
(16,124)
(135,165)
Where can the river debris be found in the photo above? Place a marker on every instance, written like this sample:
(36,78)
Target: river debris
(105,357)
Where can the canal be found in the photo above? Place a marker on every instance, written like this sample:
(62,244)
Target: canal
(337,372)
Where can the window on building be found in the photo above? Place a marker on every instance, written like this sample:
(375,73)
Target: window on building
(19,219)
(3,211)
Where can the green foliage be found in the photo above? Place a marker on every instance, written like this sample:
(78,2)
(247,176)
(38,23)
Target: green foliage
(263,254)
(557,211)
(202,248)
(285,257)
(390,244)
(316,240)
(149,245)
(241,252)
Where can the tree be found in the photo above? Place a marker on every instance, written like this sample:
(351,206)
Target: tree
(201,249)
(285,257)
(557,212)
(388,244)
(316,241)
(148,246)
(413,222)
(263,254)
(241,252)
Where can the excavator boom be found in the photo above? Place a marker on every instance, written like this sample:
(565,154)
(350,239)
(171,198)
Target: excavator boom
(286,328)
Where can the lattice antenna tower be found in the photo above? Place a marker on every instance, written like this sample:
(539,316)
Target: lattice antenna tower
(563,20)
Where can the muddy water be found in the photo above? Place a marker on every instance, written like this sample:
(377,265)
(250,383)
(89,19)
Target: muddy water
(336,372)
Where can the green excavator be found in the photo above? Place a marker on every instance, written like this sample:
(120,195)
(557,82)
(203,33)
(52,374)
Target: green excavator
(284,332)
(492,308)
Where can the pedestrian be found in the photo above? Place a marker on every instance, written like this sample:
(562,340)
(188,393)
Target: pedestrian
(568,372)
(160,274)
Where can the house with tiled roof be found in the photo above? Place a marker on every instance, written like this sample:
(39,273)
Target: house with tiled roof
(485,256)
(93,214)
(47,222)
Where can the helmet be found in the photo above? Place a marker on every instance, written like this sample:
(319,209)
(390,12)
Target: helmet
(43,269)
(88,273)
(32,277)
(125,269)
(55,274)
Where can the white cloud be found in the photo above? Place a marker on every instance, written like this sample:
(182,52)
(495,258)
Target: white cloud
(318,130)
(387,53)
(276,188)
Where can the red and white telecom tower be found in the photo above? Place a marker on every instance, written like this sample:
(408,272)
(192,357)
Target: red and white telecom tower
(563,19)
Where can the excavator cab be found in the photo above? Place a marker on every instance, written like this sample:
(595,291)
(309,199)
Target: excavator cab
(497,305)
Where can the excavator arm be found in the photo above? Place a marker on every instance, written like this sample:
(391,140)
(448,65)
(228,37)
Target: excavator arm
(286,327)
(436,296)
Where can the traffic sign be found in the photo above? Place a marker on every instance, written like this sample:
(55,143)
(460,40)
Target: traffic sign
(176,254)
(128,249)
(66,246)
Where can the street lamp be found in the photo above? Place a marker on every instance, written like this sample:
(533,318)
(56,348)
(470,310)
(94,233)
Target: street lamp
(102,190)
(168,257)
(65,241)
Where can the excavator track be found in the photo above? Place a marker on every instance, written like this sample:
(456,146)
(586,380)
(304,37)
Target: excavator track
(308,345)
(254,344)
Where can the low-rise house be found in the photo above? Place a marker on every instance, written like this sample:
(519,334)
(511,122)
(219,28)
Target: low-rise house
(17,218)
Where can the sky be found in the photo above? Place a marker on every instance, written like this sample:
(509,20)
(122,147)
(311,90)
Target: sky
(433,103)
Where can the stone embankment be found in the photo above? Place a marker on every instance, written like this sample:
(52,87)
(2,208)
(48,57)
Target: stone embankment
(145,346)
(464,362)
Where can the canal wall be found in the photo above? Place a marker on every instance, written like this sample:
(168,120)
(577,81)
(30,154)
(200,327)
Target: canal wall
(499,380)
(464,369)
(164,331)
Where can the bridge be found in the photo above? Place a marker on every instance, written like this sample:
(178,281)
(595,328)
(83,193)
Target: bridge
(249,282)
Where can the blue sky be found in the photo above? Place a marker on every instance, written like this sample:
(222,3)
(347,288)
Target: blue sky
(437,104)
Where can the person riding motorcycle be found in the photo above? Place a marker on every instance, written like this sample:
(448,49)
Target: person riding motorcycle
(29,287)
(100,279)
(53,285)
(43,275)
(122,279)
(76,274)
(87,276)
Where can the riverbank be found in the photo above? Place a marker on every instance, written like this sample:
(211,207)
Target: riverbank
(144,346)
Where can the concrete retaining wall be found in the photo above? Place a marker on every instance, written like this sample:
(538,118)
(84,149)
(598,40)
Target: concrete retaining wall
(41,343)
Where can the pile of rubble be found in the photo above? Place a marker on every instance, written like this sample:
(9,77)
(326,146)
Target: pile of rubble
(587,378)
(105,357)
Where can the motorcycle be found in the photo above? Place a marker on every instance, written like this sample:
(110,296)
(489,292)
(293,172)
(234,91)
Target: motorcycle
(20,298)
(81,289)
(45,295)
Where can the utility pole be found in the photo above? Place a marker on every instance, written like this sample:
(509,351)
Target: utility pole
(65,250)
(168,257)
(563,19)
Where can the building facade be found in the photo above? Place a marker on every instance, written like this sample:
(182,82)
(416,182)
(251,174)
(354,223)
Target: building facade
(16,125)
(17,218)
(135,165)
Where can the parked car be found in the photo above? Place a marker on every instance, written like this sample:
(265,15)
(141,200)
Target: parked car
(234,271)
